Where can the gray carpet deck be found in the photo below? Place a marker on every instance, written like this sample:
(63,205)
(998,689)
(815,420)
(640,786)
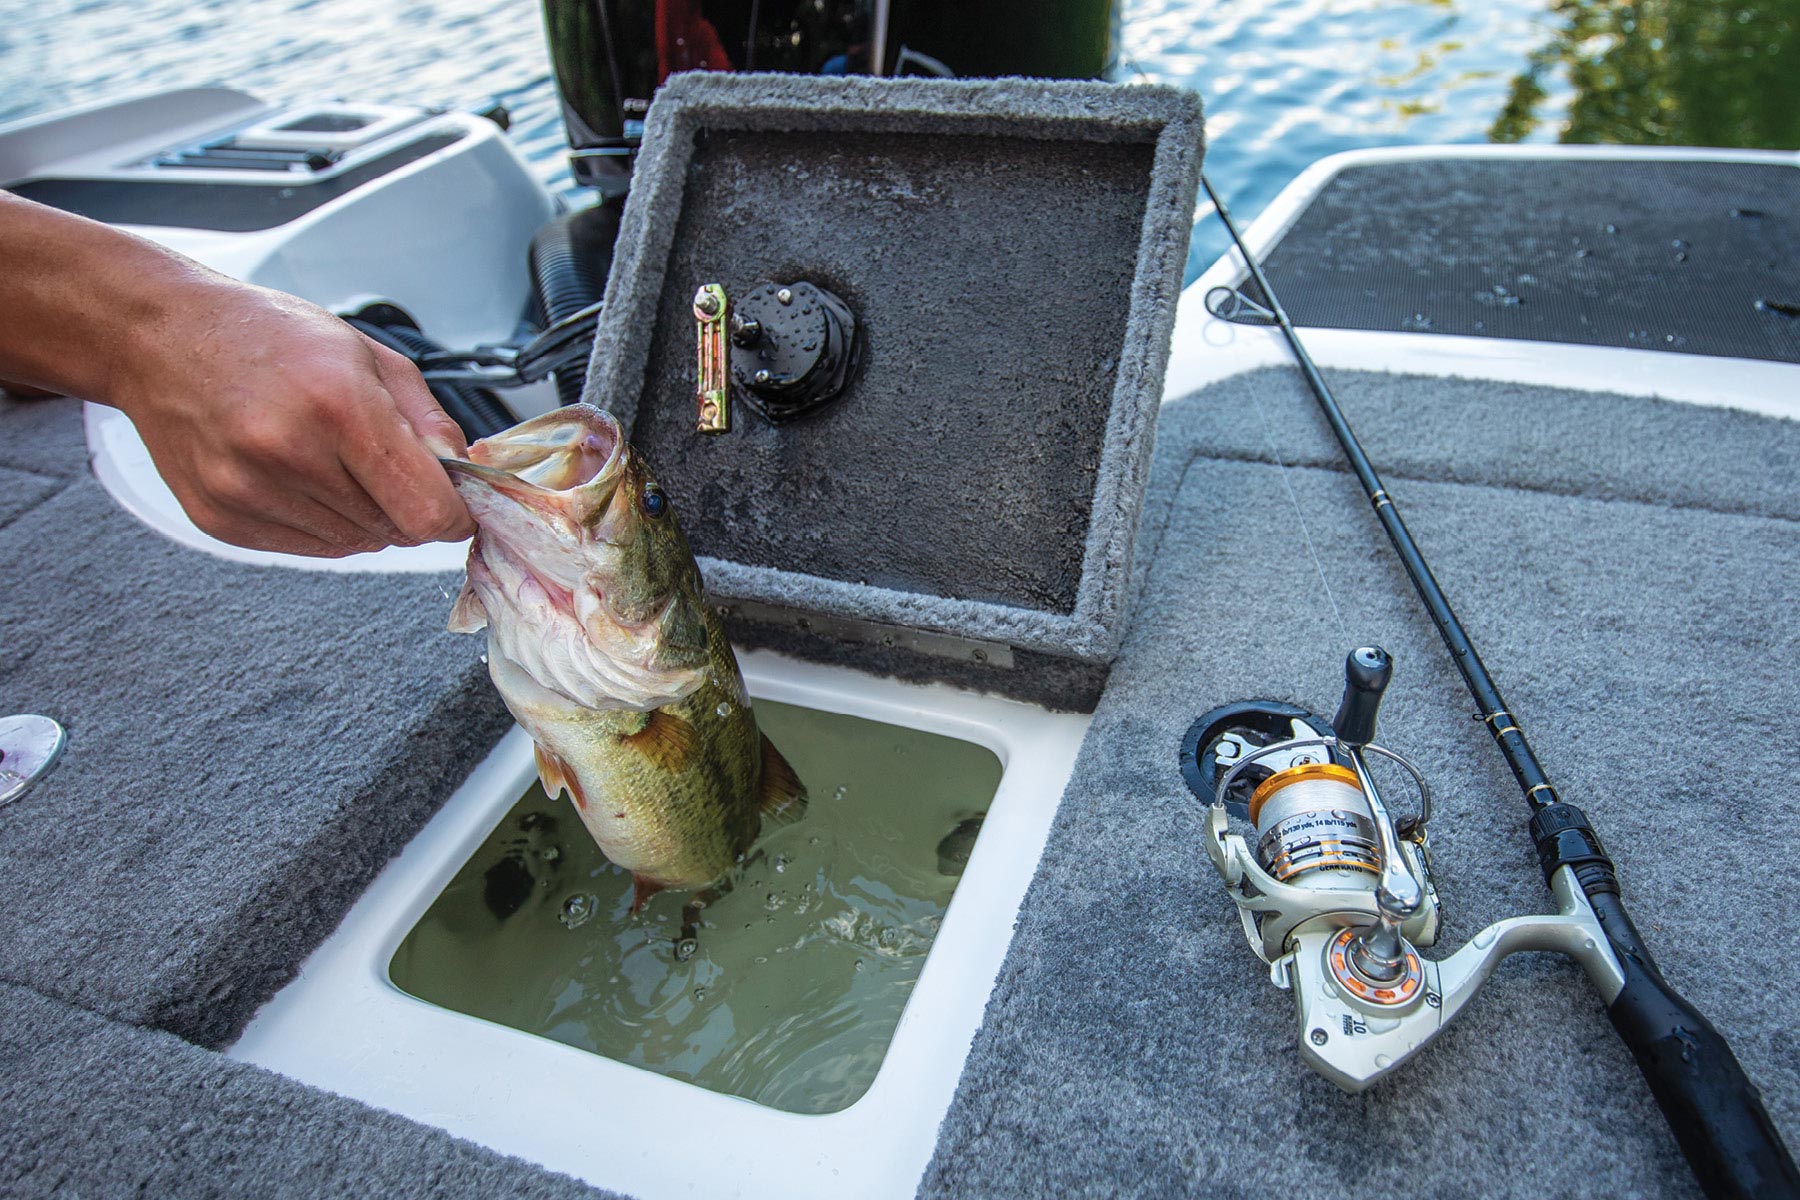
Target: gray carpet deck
(1675,255)
(1629,570)
(95,1109)
(247,748)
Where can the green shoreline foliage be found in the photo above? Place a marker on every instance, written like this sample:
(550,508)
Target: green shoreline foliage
(1667,72)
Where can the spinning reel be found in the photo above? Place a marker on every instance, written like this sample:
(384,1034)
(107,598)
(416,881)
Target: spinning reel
(1336,895)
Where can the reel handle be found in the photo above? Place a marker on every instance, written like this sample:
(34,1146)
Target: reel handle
(1366,674)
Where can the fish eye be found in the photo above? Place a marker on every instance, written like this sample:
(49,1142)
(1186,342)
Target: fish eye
(654,503)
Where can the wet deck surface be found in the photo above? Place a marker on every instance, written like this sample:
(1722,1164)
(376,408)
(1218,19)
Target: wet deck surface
(1677,256)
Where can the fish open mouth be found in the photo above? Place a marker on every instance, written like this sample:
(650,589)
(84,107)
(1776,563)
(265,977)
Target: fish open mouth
(564,463)
(557,452)
(548,551)
(535,491)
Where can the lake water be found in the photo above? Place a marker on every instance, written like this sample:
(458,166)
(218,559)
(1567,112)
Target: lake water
(1284,81)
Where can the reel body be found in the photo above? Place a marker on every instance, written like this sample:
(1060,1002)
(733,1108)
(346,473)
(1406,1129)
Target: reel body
(1337,897)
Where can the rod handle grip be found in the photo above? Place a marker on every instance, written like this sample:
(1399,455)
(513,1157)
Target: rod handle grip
(1366,674)
(1714,1111)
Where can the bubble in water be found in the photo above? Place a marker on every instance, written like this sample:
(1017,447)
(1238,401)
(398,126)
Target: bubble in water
(684,949)
(578,910)
(1417,321)
(550,853)
(1678,244)
(724,709)
(760,959)
(1584,252)
(812,841)
(1611,228)
(842,791)
(699,995)
(781,863)
(1681,256)
(772,902)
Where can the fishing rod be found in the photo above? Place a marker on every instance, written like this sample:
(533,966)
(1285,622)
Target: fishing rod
(1336,895)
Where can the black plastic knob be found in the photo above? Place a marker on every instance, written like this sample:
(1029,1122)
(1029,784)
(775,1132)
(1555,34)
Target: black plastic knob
(793,349)
(1366,674)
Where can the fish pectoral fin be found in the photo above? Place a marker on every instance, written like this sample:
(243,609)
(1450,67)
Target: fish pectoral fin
(781,796)
(641,890)
(556,776)
(666,740)
(468,614)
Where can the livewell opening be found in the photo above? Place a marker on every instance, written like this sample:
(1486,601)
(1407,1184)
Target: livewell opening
(799,973)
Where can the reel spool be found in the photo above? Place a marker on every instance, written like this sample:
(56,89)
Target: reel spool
(1315,855)
(1313,825)
(1335,895)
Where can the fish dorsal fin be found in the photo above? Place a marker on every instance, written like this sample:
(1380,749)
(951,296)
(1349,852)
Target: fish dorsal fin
(666,740)
(468,614)
(556,776)
(781,795)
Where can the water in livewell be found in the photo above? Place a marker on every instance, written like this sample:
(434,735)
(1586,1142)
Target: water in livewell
(791,991)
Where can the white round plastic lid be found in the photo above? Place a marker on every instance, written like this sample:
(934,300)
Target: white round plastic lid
(123,467)
(29,747)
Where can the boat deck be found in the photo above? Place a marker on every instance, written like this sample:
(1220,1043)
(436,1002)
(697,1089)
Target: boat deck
(1628,565)
(1685,252)
(1629,568)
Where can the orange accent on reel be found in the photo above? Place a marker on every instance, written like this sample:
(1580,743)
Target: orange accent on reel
(1281,779)
(1283,869)
(1345,977)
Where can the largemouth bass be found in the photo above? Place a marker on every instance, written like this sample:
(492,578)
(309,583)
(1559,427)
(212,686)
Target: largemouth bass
(601,643)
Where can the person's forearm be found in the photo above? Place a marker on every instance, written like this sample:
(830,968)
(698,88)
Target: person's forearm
(77,297)
(276,425)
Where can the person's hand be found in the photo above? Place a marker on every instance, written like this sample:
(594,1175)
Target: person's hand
(279,427)
(276,425)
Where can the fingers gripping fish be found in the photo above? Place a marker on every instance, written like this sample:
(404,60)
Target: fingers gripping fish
(601,643)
